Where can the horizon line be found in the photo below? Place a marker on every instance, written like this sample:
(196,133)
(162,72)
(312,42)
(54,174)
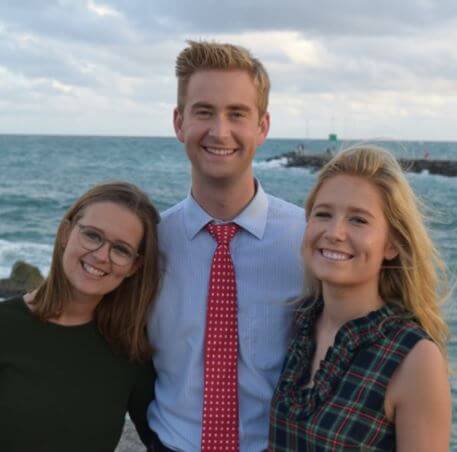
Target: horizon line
(94,135)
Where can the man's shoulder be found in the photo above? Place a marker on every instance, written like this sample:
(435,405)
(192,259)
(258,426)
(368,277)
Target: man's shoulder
(286,209)
(171,213)
(171,228)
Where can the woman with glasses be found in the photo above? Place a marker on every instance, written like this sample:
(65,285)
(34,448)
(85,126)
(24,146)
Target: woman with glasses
(74,356)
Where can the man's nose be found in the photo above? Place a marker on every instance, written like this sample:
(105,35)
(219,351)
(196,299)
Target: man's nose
(220,127)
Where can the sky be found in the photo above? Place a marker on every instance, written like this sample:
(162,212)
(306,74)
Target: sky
(362,69)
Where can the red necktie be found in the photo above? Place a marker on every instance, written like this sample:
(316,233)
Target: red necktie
(220,400)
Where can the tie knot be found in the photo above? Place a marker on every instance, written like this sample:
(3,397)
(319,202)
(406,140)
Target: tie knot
(223,233)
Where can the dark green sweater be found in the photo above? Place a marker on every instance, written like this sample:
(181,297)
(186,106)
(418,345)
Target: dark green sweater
(63,389)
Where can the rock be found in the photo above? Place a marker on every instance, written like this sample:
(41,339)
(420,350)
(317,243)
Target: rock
(24,278)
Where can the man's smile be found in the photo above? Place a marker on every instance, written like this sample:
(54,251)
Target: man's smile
(219,151)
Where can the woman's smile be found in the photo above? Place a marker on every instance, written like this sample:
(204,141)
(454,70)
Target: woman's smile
(335,255)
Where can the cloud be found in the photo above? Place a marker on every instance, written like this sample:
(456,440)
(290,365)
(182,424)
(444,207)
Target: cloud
(327,17)
(75,21)
(107,66)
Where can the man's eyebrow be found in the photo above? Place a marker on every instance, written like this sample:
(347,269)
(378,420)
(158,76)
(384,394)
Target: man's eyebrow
(233,107)
(201,105)
(241,107)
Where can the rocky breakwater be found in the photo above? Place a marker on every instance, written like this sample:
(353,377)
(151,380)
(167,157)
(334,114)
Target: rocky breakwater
(23,278)
(441,167)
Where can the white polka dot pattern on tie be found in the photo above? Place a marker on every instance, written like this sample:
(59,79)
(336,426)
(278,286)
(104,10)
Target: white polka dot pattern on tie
(220,400)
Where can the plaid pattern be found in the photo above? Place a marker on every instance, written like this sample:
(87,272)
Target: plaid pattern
(344,409)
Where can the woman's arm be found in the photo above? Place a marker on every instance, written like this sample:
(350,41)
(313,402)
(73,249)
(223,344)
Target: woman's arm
(418,400)
(140,397)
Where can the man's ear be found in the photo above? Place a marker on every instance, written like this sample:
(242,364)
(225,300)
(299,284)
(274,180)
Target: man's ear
(264,127)
(177,124)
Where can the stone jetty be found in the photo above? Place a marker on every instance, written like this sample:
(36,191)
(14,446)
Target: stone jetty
(441,167)
(24,277)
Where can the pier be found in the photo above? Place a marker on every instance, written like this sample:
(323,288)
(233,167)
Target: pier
(441,167)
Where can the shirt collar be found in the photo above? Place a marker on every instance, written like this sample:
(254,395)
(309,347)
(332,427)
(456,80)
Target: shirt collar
(253,218)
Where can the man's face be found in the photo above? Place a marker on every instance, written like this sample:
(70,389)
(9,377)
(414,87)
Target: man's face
(220,126)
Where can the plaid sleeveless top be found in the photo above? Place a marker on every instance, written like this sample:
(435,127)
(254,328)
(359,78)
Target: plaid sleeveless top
(344,409)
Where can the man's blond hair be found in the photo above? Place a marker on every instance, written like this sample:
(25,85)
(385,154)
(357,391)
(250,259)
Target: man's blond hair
(205,55)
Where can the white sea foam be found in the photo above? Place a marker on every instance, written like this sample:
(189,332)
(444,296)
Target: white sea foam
(37,254)
(280,163)
(275,163)
(425,174)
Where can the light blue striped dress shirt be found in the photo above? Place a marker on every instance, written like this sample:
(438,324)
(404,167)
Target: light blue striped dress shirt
(269,271)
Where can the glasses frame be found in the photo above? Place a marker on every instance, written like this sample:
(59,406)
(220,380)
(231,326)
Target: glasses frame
(111,243)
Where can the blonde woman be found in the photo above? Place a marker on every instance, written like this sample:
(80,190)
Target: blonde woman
(367,367)
(74,356)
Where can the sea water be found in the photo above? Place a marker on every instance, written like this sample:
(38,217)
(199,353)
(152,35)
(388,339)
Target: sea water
(40,177)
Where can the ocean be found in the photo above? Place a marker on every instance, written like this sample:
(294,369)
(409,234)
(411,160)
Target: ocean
(40,177)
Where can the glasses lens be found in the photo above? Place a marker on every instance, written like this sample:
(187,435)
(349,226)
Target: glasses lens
(121,254)
(90,238)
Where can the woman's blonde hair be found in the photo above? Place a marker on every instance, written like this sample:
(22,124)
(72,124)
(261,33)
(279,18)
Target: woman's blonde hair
(121,315)
(415,280)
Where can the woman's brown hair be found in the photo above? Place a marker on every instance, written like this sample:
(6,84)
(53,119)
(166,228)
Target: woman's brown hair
(121,315)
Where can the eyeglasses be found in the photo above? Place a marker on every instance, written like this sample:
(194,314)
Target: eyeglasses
(92,239)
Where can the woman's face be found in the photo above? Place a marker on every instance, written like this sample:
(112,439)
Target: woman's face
(93,274)
(347,236)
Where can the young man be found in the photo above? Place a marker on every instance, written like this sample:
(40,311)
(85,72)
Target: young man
(221,323)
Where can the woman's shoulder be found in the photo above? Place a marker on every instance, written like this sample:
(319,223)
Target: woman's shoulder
(12,306)
(425,354)
(402,329)
(420,360)
(423,371)
(13,318)
(424,358)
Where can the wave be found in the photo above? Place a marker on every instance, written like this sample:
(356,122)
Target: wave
(280,163)
(37,254)
(425,174)
(275,163)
